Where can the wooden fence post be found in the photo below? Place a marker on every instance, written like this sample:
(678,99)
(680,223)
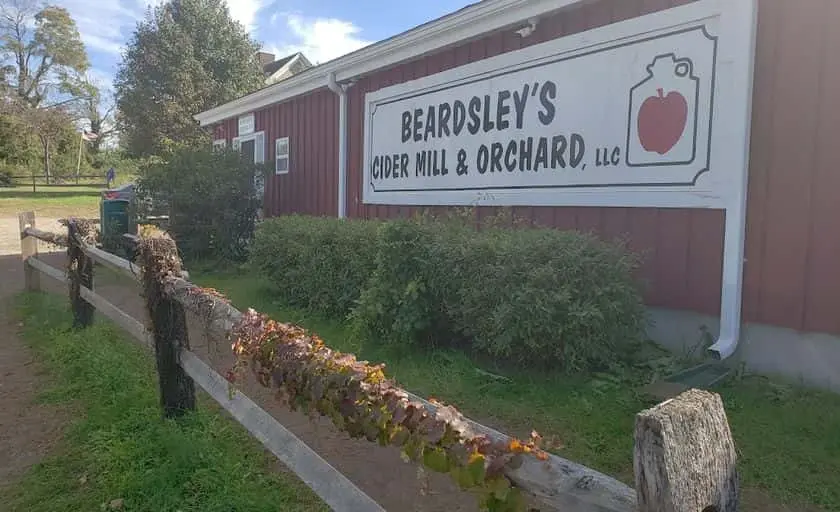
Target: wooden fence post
(685,457)
(81,274)
(29,249)
(159,257)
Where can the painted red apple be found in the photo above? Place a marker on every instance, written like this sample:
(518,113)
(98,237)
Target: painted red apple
(662,121)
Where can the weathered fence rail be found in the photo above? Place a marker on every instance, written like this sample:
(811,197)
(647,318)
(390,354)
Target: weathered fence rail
(35,181)
(684,455)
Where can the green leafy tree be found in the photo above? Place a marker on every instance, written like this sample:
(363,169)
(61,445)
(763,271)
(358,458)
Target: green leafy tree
(42,66)
(185,57)
(42,53)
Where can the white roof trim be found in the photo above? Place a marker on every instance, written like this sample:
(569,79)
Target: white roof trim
(285,67)
(481,18)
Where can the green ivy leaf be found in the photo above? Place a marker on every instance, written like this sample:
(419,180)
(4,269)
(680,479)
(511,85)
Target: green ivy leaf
(435,459)
(462,477)
(500,487)
(476,468)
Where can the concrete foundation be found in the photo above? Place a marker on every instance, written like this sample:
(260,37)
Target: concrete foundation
(811,359)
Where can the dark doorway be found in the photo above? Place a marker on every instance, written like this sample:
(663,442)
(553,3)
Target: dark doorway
(247,150)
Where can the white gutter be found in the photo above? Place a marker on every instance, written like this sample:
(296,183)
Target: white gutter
(733,282)
(468,23)
(341,91)
(744,14)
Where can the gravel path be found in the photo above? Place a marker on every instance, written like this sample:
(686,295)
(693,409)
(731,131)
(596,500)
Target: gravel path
(27,429)
(10,234)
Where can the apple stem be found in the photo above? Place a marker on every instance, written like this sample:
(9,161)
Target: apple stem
(661,92)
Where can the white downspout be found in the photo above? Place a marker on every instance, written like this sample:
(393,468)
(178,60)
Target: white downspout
(733,280)
(341,91)
(743,15)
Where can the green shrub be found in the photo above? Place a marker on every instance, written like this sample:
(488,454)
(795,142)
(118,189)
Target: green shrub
(210,197)
(408,296)
(317,263)
(547,296)
(535,297)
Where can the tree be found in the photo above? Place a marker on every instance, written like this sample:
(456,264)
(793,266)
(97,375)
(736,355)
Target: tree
(185,57)
(42,66)
(42,52)
(52,127)
(97,110)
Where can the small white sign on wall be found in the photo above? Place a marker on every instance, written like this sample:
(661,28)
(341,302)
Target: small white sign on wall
(246,124)
(639,113)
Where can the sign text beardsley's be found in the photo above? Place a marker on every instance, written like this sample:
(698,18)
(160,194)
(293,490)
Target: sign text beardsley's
(627,120)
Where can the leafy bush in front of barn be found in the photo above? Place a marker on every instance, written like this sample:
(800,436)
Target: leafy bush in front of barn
(320,264)
(210,198)
(412,289)
(535,297)
(528,296)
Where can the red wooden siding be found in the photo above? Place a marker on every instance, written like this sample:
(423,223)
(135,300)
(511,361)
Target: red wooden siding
(792,275)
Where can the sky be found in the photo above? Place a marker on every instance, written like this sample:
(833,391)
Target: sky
(321,29)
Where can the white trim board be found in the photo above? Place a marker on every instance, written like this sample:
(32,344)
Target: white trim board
(481,18)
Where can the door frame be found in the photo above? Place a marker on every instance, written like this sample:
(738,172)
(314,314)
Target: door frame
(259,157)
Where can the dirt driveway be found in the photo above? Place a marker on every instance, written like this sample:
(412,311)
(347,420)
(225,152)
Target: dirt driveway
(10,233)
(27,429)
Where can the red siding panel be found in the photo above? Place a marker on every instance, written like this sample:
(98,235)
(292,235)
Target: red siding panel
(792,162)
(822,299)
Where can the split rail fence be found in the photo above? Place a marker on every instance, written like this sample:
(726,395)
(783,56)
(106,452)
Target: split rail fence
(684,455)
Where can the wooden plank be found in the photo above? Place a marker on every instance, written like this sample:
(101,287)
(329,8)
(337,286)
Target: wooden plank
(222,316)
(118,316)
(58,275)
(114,262)
(560,484)
(28,251)
(333,487)
(82,219)
(59,239)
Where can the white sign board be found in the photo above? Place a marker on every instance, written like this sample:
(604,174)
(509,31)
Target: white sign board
(638,113)
(246,124)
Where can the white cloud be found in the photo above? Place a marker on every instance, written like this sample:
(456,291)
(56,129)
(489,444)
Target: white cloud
(320,39)
(245,11)
(102,44)
(104,25)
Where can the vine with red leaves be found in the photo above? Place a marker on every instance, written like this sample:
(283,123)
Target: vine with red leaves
(361,401)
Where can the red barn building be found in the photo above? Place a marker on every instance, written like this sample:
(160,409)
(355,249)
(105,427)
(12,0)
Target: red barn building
(703,131)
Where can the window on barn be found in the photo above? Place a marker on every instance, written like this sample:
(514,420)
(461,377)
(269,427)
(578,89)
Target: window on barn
(219,144)
(281,155)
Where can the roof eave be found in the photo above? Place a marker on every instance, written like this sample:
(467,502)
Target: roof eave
(481,18)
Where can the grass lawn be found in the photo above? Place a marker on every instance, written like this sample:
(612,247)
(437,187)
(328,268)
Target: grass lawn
(51,202)
(788,438)
(119,447)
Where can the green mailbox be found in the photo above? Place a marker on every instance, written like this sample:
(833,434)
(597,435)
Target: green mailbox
(116,213)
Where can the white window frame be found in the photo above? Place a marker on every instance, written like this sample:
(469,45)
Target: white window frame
(259,145)
(259,155)
(246,124)
(219,144)
(279,157)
